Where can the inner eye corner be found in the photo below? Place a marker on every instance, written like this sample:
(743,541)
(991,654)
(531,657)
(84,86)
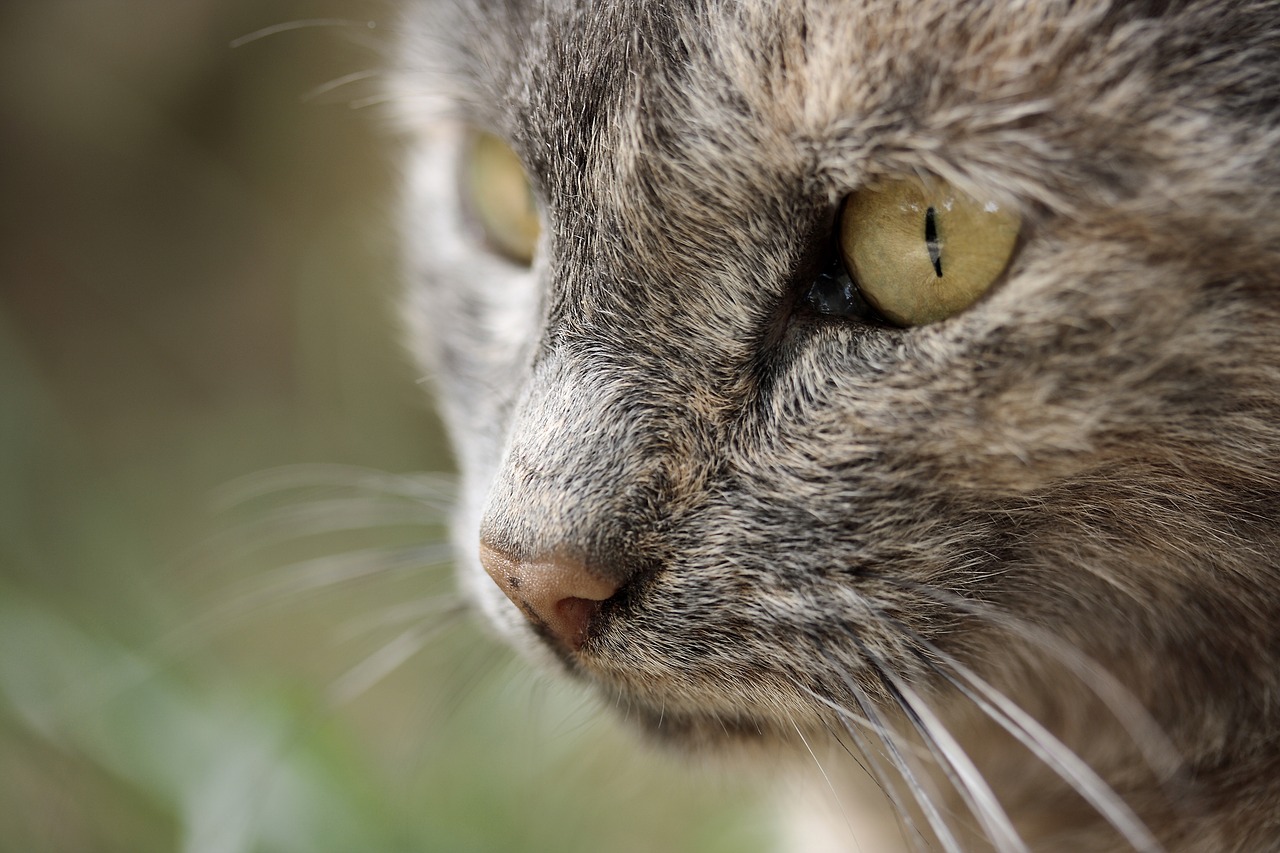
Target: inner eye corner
(824,290)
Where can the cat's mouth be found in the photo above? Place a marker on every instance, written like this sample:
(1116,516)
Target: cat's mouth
(710,730)
(703,687)
(688,711)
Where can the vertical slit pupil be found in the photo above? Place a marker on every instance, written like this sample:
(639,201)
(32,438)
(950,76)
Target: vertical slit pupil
(931,239)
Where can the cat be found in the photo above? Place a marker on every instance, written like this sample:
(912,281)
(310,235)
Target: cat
(902,377)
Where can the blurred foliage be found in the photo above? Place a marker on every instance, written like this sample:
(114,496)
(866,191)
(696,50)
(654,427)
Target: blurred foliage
(223,628)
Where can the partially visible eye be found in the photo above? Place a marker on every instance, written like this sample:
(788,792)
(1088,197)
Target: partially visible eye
(922,251)
(500,197)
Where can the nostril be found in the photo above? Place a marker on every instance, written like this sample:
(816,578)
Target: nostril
(572,619)
(561,595)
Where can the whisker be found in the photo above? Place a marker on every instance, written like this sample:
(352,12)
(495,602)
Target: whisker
(345,80)
(304,512)
(316,518)
(579,720)
(435,490)
(1032,734)
(305,23)
(955,763)
(1146,733)
(1052,752)
(372,101)
(876,771)
(291,583)
(920,791)
(377,666)
(441,606)
(468,670)
(843,813)
(889,737)
(298,582)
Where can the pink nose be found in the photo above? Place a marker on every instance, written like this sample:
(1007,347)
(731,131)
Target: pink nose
(558,594)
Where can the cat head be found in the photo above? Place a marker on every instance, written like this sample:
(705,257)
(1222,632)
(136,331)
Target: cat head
(714,474)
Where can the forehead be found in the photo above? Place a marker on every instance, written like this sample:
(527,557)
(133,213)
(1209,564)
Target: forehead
(850,89)
(689,155)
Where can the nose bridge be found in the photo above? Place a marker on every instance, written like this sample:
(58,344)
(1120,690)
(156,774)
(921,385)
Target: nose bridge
(584,473)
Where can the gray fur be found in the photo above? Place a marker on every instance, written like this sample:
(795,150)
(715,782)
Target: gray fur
(1068,494)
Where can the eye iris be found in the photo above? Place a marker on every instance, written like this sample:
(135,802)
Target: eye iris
(501,199)
(922,252)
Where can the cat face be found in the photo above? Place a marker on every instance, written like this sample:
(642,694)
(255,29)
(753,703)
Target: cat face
(760,511)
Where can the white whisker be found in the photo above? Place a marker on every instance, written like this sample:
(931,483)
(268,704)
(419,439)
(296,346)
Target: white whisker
(435,490)
(441,606)
(877,725)
(383,662)
(307,23)
(877,770)
(371,101)
(345,80)
(289,583)
(321,518)
(1054,754)
(1145,732)
(955,762)
(294,584)
(843,813)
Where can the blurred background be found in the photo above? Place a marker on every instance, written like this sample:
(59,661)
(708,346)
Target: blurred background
(226,620)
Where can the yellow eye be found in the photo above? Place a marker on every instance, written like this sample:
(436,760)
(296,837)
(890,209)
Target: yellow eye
(501,198)
(923,251)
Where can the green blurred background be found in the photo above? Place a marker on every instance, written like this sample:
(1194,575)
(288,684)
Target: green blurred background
(225,612)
